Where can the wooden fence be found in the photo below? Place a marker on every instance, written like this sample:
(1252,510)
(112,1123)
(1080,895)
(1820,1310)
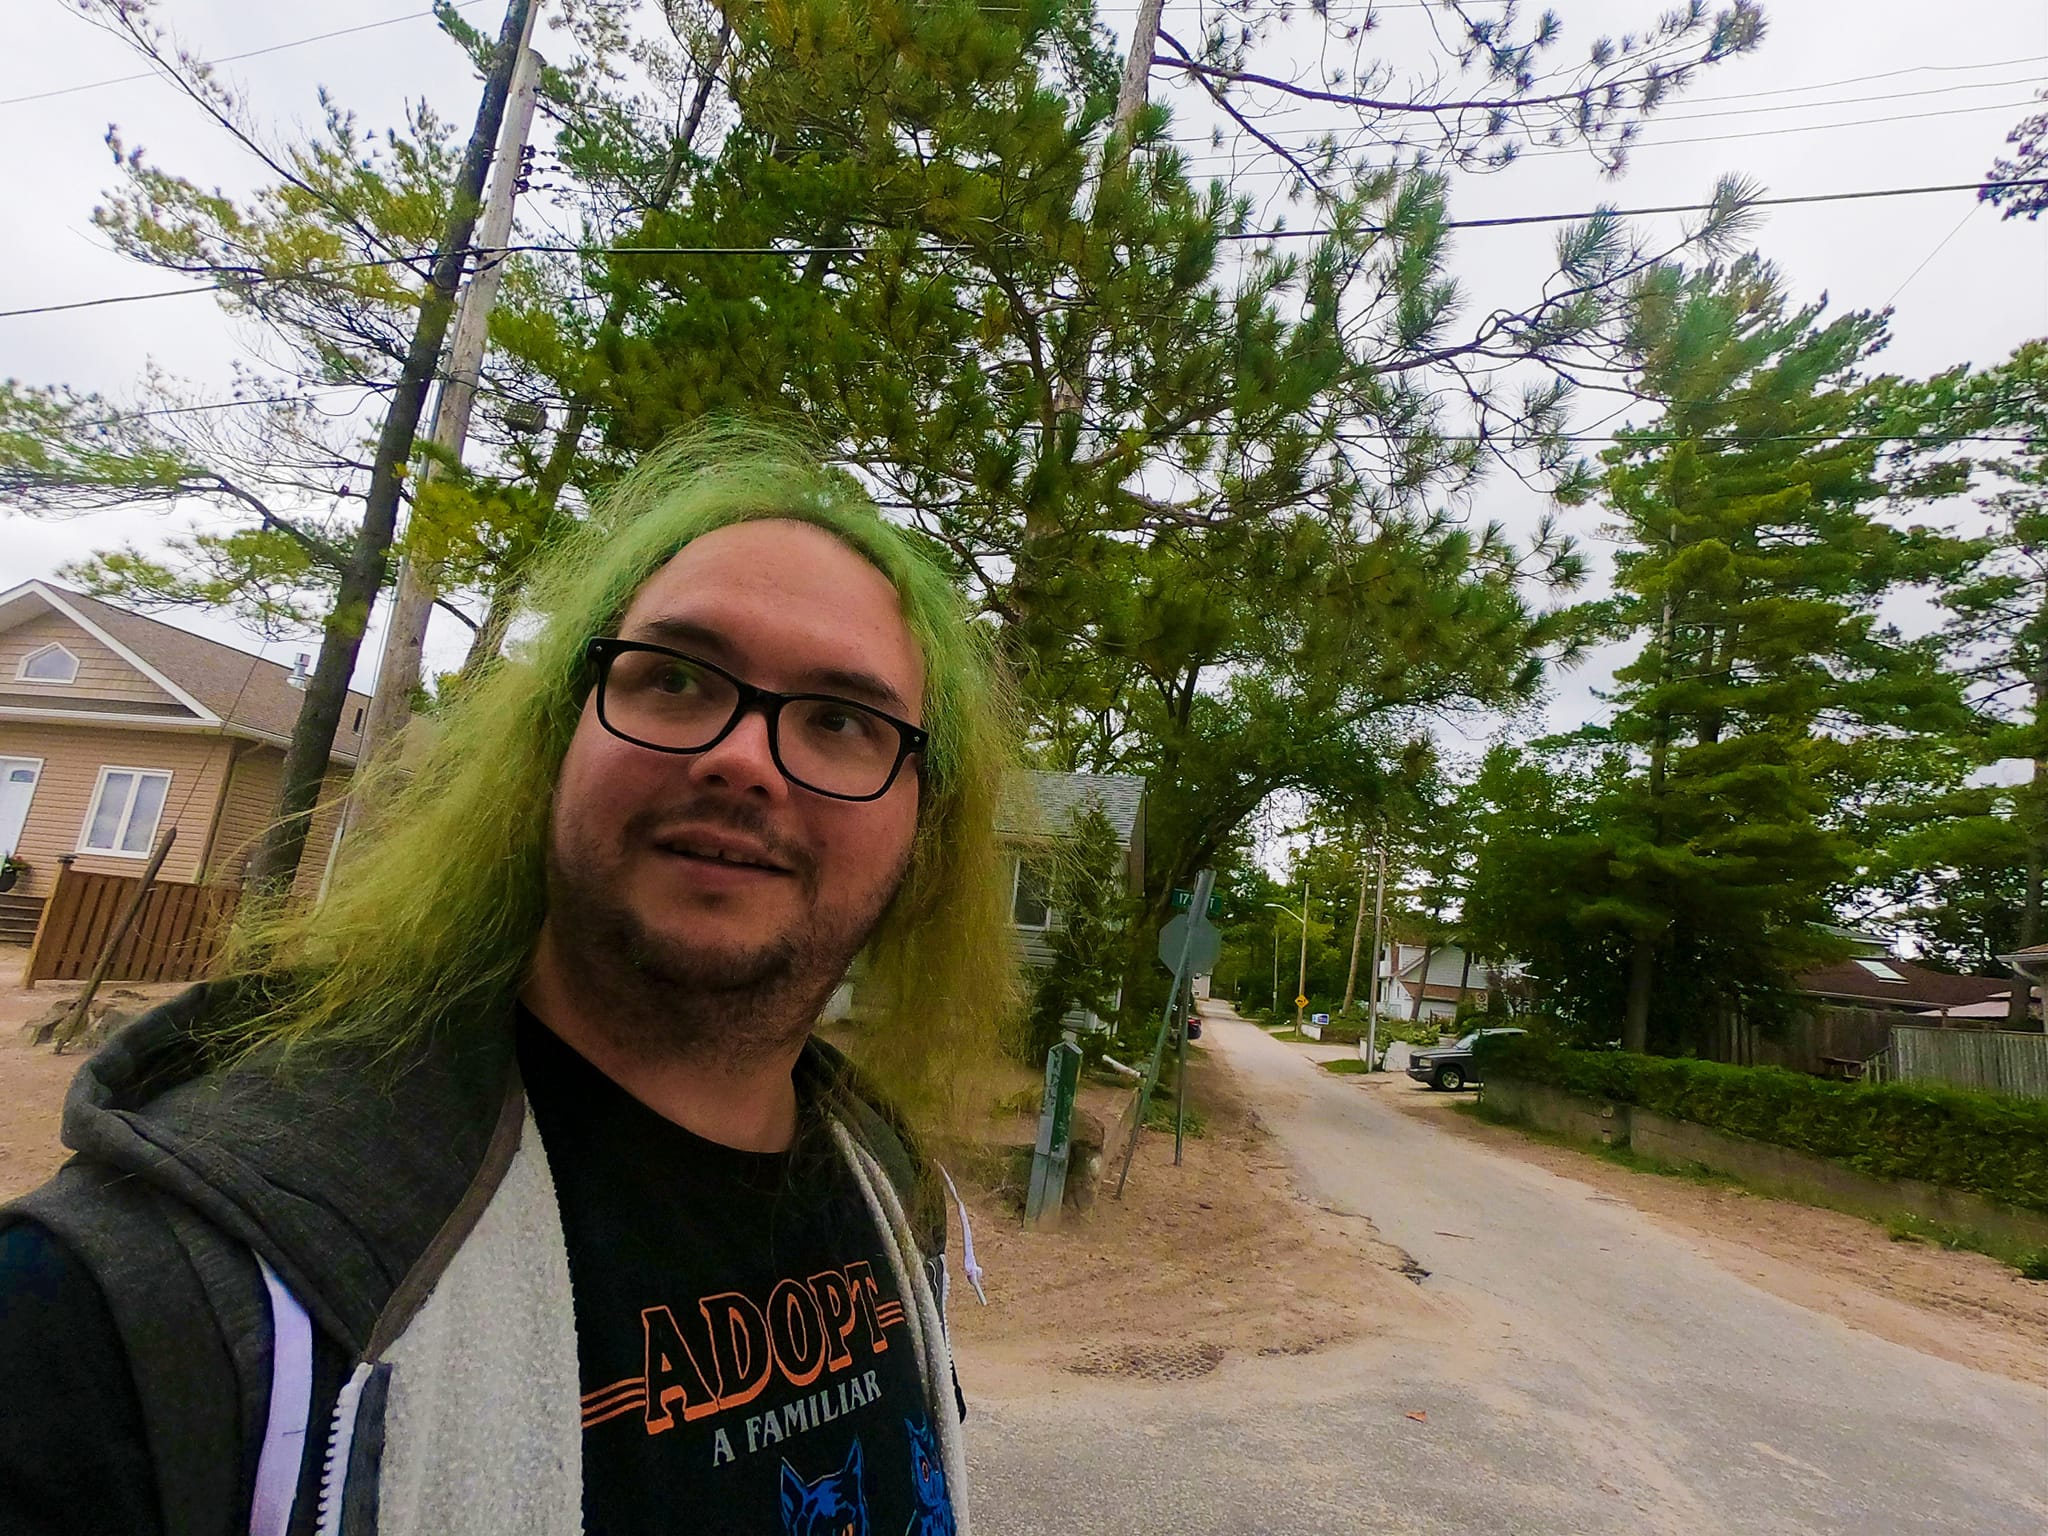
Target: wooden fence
(1816,1042)
(1990,1061)
(174,937)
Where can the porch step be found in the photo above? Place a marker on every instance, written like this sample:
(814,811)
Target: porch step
(18,918)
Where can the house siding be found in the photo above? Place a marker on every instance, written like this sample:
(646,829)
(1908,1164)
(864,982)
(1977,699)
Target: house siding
(101,673)
(72,758)
(320,838)
(246,813)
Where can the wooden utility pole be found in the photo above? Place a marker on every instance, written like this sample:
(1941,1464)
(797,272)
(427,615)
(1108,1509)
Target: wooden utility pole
(405,638)
(1357,933)
(1131,94)
(362,575)
(1301,986)
(1372,1007)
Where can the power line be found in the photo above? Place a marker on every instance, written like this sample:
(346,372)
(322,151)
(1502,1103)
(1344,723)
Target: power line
(228,405)
(233,58)
(1840,101)
(251,279)
(1889,74)
(1772,133)
(1641,437)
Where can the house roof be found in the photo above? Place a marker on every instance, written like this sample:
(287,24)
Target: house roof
(1040,802)
(247,694)
(1895,983)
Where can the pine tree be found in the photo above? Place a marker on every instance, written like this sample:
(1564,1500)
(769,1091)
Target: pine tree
(1768,690)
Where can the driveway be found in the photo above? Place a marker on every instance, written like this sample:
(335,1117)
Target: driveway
(1581,1370)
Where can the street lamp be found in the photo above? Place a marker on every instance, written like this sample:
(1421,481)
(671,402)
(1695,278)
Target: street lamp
(1301,917)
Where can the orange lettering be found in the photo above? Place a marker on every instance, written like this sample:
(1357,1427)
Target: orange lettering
(740,1352)
(668,1352)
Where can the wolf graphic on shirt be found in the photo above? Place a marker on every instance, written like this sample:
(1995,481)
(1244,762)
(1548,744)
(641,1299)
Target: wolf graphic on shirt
(834,1505)
(934,1513)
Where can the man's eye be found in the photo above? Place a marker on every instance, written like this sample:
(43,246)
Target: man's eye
(677,680)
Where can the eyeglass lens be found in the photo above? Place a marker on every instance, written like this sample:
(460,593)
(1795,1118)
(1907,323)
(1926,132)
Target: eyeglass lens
(831,745)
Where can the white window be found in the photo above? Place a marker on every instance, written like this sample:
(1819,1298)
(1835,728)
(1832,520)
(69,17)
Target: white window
(1881,971)
(50,664)
(125,811)
(1029,907)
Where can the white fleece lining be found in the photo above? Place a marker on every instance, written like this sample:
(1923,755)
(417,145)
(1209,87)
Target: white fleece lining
(483,1432)
(928,1329)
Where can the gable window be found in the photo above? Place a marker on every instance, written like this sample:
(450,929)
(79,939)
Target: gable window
(1030,904)
(49,664)
(125,811)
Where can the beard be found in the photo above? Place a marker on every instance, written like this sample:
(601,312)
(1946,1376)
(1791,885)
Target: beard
(662,996)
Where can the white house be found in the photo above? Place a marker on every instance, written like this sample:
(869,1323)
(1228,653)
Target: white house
(1452,976)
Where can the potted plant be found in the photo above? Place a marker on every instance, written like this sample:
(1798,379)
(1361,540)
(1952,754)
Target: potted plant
(11,871)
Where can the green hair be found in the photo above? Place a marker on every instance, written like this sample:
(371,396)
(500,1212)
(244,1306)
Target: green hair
(436,902)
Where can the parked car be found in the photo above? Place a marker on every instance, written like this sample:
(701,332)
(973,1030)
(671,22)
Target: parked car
(1450,1067)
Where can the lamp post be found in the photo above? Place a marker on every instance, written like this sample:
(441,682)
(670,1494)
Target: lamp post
(1301,917)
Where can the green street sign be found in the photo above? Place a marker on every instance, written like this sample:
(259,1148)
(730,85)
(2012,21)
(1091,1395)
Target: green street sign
(1182,900)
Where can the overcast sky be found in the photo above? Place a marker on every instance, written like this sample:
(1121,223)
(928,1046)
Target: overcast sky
(1931,92)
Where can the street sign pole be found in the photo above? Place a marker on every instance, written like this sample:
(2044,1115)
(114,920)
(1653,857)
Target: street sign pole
(1188,943)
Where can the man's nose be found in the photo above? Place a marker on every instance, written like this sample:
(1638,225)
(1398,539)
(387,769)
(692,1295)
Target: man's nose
(744,760)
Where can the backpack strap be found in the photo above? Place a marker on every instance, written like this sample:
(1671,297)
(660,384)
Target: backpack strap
(282,1459)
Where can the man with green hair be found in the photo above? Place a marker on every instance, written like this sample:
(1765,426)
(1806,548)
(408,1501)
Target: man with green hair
(509,1189)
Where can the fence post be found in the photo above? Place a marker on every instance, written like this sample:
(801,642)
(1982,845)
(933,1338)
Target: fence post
(72,1025)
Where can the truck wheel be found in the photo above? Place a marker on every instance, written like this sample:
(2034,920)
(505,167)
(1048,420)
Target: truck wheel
(1450,1079)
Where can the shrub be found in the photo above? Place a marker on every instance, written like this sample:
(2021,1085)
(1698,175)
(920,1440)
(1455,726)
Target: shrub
(1979,1142)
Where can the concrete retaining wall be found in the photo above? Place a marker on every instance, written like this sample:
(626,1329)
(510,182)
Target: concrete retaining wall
(1776,1170)
(1554,1110)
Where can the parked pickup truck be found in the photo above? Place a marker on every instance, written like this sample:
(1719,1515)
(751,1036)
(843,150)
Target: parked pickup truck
(1450,1067)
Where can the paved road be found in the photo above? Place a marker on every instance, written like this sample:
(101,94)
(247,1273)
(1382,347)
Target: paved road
(1610,1380)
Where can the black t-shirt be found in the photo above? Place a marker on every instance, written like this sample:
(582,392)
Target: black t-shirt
(746,1358)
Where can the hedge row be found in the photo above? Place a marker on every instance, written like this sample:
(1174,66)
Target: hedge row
(1979,1142)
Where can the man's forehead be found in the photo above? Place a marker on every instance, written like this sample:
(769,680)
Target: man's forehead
(789,596)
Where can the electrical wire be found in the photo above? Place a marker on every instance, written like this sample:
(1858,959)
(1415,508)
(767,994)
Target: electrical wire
(246,279)
(1309,145)
(1642,437)
(232,58)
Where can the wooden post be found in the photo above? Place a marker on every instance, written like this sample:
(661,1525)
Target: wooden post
(72,1025)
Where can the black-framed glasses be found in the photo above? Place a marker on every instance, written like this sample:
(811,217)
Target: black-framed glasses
(671,702)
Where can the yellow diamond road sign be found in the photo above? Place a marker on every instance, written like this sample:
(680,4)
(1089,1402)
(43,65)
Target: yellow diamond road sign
(1301,1002)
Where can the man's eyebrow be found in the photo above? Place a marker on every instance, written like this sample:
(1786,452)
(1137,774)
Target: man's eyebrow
(687,634)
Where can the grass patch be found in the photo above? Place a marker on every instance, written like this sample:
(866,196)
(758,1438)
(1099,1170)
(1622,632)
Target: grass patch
(1025,1101)
(1159,1117)
(1344,1066)
(2031,1263)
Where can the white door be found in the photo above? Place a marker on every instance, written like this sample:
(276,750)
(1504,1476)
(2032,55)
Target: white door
(18,777)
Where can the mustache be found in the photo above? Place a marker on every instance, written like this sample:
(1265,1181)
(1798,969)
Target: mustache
(723,814)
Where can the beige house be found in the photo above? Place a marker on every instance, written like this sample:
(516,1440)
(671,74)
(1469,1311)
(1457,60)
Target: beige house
(114,726)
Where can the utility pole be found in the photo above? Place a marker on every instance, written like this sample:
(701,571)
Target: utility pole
(1301,986)
(362,576)
(398,673)
(1372,1007)
(1357,933)
(1131,94)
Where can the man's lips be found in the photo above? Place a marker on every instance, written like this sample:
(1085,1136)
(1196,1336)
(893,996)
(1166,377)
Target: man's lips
(722,849)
